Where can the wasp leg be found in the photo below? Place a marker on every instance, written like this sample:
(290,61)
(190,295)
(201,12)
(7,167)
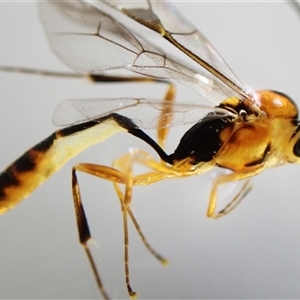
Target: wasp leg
(116,177)
(123,79)
(166,115)
(125,164)
(84,231)
(92,77)
(125,201)
(40,72)
(246,188)
(161,171)
(227,178)
(121,173)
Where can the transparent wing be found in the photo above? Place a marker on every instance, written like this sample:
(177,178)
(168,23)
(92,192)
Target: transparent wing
(90,41)
(165,19)
(144,112)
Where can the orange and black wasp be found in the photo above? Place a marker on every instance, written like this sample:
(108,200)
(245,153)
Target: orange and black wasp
(234,130)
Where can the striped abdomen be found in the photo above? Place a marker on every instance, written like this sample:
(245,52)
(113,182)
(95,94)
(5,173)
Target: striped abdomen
(47,157)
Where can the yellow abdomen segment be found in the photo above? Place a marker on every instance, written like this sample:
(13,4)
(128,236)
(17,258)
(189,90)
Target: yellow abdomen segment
(47,157)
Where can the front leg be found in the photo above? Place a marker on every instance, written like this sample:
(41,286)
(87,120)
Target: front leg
(227,178)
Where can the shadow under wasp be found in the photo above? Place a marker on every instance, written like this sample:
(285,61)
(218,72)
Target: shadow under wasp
(240,119)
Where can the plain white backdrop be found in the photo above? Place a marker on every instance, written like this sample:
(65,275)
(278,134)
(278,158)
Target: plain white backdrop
(252,253)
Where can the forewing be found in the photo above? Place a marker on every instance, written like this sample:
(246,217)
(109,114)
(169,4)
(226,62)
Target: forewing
(90,41)
(87,39)
(144,112)
(165,19)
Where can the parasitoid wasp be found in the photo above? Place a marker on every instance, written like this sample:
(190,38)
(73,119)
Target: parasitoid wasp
(175,107)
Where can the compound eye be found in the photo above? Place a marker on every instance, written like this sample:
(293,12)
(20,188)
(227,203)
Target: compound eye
(296,149)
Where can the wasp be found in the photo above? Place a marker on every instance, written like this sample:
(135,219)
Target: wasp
(233,128)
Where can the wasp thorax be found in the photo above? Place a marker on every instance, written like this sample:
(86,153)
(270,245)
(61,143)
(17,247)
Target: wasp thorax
(276,104)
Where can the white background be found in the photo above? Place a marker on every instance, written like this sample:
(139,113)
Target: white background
(252,253)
